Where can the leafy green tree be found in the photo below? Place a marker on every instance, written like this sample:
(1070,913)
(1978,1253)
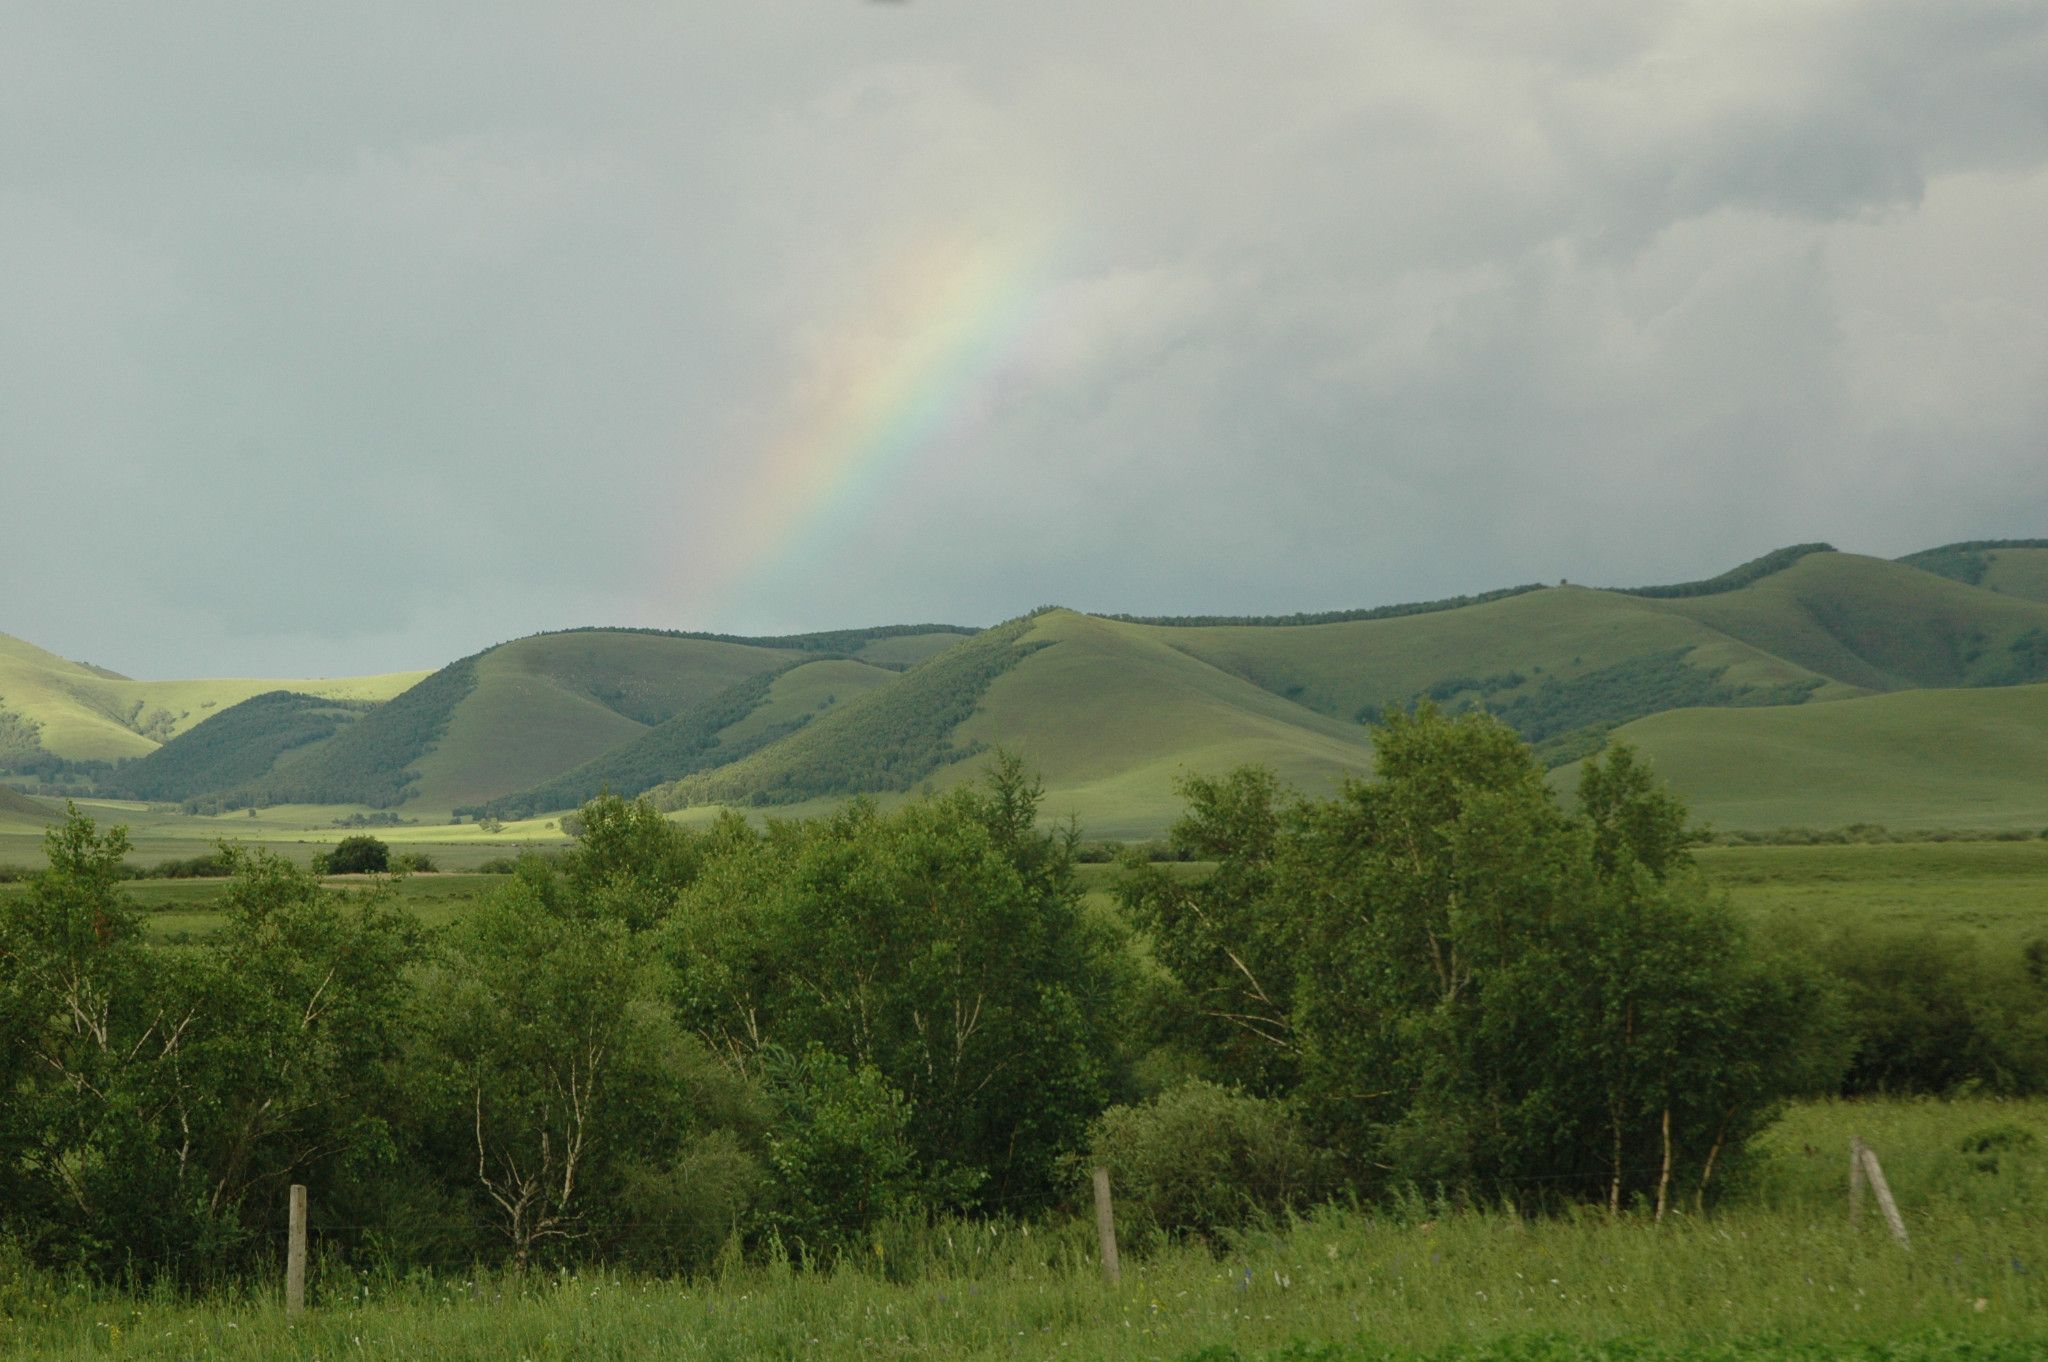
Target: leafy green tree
(75,989)
(1233,948)
(358,855)
(943,946)
(1202,1159)
(563,1082)
(630,864)
(840,1149)
(159,1101)
(1493,993)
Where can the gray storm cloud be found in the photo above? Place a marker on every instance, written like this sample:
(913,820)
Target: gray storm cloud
(355,338)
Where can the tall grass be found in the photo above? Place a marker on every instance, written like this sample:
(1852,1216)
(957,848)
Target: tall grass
(1782,1273)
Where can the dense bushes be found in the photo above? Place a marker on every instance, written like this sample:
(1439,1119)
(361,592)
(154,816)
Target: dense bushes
(1939,1014)
(1201,1158)
(358,855)
(1465,986)
(668,1044)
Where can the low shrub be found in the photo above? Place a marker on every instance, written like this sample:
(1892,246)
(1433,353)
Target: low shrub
(1201,1158)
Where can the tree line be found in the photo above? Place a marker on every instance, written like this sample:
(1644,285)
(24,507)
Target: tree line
(666,1044)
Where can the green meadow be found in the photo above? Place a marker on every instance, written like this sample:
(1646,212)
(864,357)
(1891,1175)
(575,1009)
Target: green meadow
(1781,1273)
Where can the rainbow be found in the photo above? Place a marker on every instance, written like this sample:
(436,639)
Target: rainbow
(872,405)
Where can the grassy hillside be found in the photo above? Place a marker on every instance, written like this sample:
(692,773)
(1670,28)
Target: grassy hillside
(516,716)
(1105,711)
(84,713)
(1551,661)
(2018,572)
(237,748)
(1882,626)
(887,739)
(17,809)
(738,720)
(1111,713)
(900,652)
(1734,579)
(1919,759)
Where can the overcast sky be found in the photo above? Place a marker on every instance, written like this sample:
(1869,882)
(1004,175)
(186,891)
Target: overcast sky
(343,338)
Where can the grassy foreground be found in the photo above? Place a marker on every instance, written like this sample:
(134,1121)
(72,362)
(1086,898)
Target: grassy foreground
(1782,1274)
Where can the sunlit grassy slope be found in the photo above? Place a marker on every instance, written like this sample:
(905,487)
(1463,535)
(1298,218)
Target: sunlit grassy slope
(86,713)
(1917,759)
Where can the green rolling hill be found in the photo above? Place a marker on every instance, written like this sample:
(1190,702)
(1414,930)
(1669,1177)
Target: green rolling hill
(1742,683)
(735,722)
(238,748)
(1915,759)
(517,719)
(1103,709)
(1881,626)
(19,811)
(2013,567)
(79,712)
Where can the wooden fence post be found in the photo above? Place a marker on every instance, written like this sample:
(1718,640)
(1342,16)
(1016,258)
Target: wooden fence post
(295,1255)
(1105,1227)
(1856,1178)
(1875,1172)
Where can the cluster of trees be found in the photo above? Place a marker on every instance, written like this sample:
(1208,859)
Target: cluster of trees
(664,1042)
(637,1050)
(1457,983)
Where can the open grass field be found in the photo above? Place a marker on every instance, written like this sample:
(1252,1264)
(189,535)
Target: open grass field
(1995,892)
(1916,759)
(1780,1273)
(296,831)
